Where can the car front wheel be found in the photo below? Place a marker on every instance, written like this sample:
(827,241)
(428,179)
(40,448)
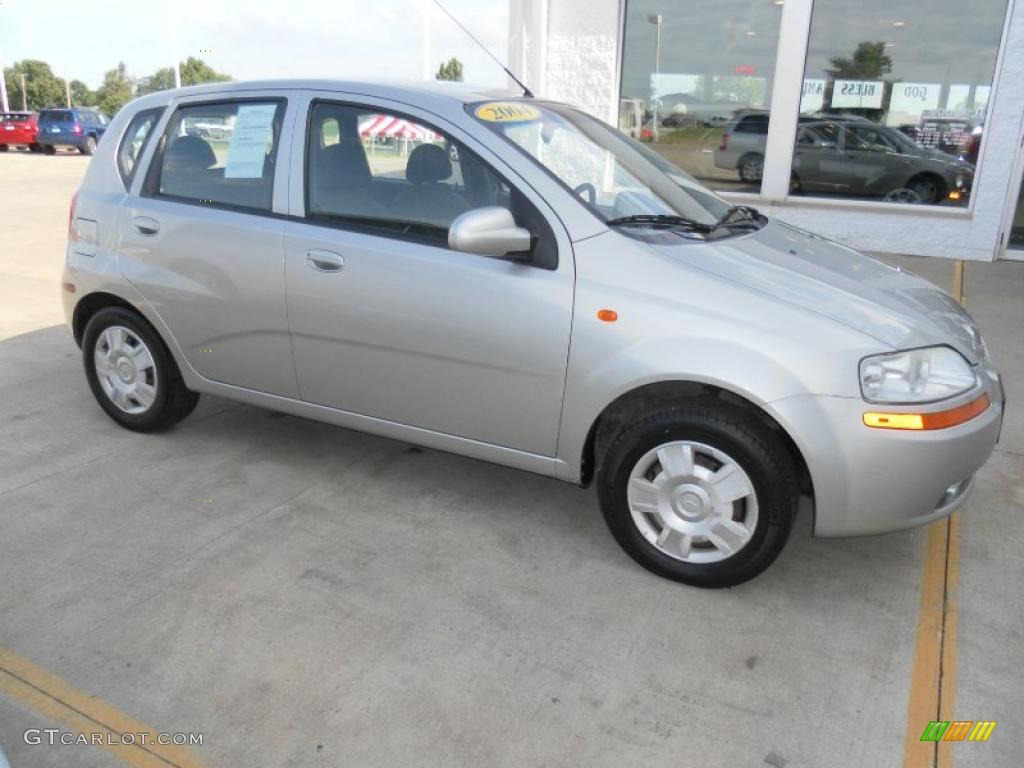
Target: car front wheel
(699,492)
(131,374)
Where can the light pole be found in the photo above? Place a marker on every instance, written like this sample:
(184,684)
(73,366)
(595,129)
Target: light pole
(3,82)
(655,19)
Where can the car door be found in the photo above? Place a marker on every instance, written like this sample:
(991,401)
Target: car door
(870,161)
(818,158)
(387,321)
(199,236)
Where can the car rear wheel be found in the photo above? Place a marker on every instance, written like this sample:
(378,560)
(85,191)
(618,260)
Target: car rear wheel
(49,149)
(3,147)
(89,147)
(751,167)
(131,374)
(699,493)
(35,148)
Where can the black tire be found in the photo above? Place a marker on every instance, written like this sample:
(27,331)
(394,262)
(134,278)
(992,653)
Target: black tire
(49,149)
(35,148)
(173,401)
(3,147)
(89,147)
(755,448)
(751,168)
(929,189)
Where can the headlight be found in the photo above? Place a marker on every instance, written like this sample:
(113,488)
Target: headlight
(915,376)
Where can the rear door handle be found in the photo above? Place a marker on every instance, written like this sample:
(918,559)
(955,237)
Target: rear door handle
(145,225)
(325,261)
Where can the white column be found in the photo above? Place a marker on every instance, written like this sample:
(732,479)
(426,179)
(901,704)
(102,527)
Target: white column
(787,87)
(528,43)
(427,9)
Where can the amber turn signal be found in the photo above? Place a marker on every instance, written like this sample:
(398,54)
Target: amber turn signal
(607,315)
(935,420)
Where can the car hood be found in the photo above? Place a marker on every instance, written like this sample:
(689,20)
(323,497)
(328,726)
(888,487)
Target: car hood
(883,301)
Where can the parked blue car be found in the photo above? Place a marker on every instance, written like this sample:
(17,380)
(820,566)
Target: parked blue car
(79,127)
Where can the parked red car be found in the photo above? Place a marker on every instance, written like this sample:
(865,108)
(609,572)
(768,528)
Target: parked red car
(19,129)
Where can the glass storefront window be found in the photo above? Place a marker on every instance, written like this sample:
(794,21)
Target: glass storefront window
(697,84)
(894,99)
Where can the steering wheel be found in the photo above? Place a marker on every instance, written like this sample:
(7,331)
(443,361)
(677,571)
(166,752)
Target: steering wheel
(590,189)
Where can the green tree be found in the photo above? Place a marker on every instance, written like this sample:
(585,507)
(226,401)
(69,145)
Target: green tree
(450,70)
(44,89)
(81,96)
(116,91)
(869,62)
(193,72)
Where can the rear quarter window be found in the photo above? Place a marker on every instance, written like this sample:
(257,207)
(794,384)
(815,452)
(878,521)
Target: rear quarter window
(133,143)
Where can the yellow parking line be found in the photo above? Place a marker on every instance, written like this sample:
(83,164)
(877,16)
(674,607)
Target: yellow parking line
(933,677)
(79,712)
(926,675)
(947,683)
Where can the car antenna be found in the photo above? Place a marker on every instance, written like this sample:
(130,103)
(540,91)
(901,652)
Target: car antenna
(526,91)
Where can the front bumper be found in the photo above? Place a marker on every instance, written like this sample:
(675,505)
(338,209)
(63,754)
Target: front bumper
(868,480)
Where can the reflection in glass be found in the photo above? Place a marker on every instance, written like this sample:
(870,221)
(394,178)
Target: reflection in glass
(697,83)
(1017,227)
(894,99)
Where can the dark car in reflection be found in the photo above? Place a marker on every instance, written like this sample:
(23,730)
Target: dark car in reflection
(853,156)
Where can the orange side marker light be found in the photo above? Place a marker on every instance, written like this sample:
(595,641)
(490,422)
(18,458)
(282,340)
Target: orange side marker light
(607,315)
(935,420)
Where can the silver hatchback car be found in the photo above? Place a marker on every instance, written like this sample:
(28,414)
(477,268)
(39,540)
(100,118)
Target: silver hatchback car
(513,280)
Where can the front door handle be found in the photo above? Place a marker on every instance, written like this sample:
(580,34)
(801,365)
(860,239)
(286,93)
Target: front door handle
(325,261)
(145,225)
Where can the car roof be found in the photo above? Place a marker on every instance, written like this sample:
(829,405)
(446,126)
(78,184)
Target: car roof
(399,90)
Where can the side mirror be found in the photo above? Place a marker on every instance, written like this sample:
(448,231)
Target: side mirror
(489,231)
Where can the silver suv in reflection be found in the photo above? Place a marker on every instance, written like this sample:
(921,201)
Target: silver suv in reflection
(513,280)
(849,156)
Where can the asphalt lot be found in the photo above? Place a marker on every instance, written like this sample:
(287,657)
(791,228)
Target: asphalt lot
(305,595)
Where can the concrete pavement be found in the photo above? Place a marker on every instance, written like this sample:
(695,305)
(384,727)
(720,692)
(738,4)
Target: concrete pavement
(306,595)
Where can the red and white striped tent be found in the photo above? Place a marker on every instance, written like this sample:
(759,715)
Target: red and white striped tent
(395,128)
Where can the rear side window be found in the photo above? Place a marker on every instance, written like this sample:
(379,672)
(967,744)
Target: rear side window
(56,115)
(135,139)
(220,154)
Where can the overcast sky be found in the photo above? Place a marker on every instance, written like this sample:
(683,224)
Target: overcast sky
(938,41)
(255,38)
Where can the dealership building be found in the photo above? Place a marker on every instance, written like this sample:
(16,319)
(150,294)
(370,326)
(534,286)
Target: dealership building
(889,125)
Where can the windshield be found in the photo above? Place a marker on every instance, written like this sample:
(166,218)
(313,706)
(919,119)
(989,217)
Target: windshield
(614,175)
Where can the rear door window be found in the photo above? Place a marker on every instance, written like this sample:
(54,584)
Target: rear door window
(221,154)
(134,141)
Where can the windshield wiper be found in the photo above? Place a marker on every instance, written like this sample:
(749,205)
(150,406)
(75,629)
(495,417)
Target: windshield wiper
(739,216)
(661,220)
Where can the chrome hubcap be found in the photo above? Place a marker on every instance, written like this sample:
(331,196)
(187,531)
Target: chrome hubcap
(692,502)
(125,369)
